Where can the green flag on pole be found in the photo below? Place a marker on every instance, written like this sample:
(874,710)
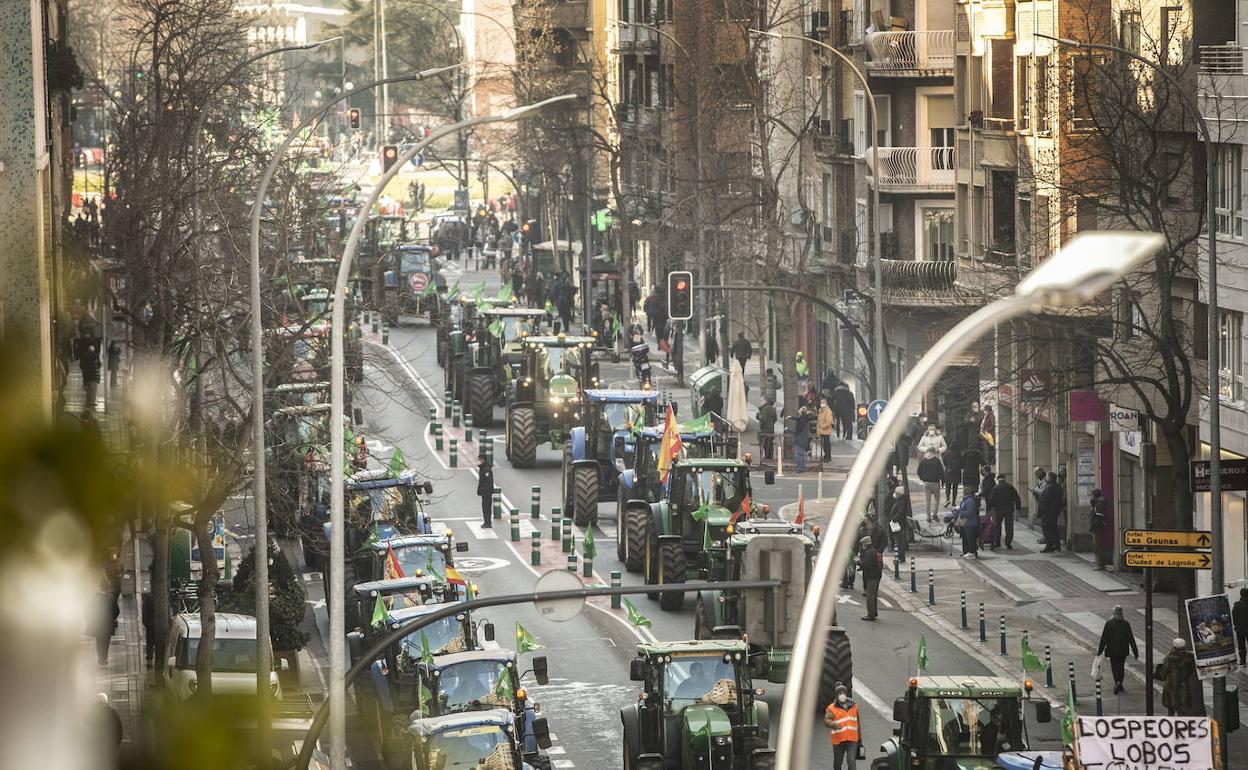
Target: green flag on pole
(454,290)
(525,641)
(503,690)
(1068,719)
(429,289)
(397,464)
(635,617)
(588,549)
(379,613)
(479,291)
(1031,663)
(700,425)
(504,293)
(496,328)
(922,653)
(701,512)
(706,536)
(426,655)
(431,570)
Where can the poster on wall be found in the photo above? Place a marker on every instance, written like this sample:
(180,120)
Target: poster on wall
(1213,635)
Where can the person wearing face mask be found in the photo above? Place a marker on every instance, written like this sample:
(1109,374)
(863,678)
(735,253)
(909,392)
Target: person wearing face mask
(932,441)
(841,717)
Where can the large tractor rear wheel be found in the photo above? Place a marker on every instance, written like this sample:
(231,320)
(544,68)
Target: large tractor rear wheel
(522,437)
(585,495)
(481,399)
(838,666)
(672,563)
(633,535)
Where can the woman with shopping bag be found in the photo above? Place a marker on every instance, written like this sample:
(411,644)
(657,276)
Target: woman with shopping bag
(1117,639)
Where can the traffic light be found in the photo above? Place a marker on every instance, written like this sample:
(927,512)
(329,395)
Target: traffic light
(680,295)
(353,118)
(389,154)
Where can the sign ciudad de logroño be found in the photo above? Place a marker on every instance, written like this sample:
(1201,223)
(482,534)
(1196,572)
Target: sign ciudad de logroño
(1144,743)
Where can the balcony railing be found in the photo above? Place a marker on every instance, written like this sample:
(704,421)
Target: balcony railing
(1226,59)
(906,169)
(908,52)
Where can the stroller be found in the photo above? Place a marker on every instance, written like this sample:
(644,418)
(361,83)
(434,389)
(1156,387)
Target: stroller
(986,531)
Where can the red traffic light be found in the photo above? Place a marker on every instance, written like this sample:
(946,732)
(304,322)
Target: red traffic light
(681,285)
(392,152)
(680,295)
(389,154)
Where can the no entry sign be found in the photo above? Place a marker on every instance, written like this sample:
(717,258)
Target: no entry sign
(1144,743)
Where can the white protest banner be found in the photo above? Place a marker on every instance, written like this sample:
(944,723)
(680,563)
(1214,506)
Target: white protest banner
(1144,743)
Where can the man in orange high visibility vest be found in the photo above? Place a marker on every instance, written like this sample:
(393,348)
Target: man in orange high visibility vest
(841,716)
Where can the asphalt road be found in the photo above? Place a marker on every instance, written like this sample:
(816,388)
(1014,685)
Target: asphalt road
(589,654)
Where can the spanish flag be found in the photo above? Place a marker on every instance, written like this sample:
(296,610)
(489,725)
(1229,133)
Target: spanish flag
(670,446)
(747,506)
(453,576)
(392,569)
(800,518)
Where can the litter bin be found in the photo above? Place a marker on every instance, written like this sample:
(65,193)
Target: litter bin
(703,384)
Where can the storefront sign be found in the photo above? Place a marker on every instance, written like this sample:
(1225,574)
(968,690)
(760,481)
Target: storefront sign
(1123,419)
(1035,384)
(1144,743)
(1169,559)
(1234,475)
(1129,441)
(1086,406)
(1213,635)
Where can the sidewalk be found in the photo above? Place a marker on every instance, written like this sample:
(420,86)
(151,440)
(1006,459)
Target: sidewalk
(124,678)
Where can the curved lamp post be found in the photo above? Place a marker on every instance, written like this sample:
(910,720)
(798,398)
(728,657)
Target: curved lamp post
(337,533)
(1089,264)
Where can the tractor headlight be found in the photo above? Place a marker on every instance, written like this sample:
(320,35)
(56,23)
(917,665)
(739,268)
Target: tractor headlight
(721,740)
(556,400)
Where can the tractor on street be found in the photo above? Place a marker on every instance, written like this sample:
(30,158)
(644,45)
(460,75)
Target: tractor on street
(477,739)
(495,351)
(544,400)
(960,721)
(698,709)
(761,549)
(601,447)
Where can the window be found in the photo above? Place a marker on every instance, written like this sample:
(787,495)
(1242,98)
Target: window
(1043,97)
(1229,203)
(1003,197)
(860,231)
(884,111)
(937,224)
(825,93)
(1024,94)
(1230,352)
(1129,30)
(825,201)
(942,143)
(1172,42)
(860,123)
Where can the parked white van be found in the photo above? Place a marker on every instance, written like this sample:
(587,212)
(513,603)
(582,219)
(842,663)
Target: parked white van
(233,656)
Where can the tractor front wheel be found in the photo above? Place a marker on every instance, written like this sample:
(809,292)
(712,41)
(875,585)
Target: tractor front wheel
(522,437)
(635,536)
(585,495)
(481,399)
(672,564)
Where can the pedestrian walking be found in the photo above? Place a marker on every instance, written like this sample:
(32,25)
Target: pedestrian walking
(650,306)
(767,428)
(932,441)
(1239,619)
(660,319)
(931,473)
(771,385)
(485,488)
(899,512)
(972,461)
(1002,504)
(953,472)
(968,521)
(107,724)
(823,427)
(841,718)
(1181,691)
(147,611)
(987,480)
(711,345)
(1096,525)
(871,564)
(114,362)
(106,625)
(1117,640)
(89,365)
(801,438)
(742,350)
(843,408)
(1049,508)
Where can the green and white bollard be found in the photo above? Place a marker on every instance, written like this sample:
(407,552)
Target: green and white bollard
(587,567)
(572,562)
(453,453)
(616,581)
(456,414)
(536,558)
(556,526)
(375,323)
(468,426)
(515,525)
(496,500)
(489,451)
(535,502)
(437,436)
(482,437)
(385,335)
(567,536)
(446,405)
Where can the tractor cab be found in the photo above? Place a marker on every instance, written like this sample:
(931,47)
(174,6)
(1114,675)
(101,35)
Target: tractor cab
(958,721)
(495,354)
(377,505)
(602,447)
(411,280)
(544,399)
(698,709)
(365,599)
(479,739)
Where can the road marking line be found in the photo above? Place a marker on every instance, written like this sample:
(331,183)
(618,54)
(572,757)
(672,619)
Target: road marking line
(556,751)
(479,531)
(563,764)
(873,700)
(642,634)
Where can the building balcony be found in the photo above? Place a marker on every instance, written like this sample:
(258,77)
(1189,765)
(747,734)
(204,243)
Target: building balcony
(1224,59)
(636,117)
(637,37)
(572,15)
(913,169)
(906,53)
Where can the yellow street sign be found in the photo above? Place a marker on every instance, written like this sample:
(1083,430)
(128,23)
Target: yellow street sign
(1167,538)
(1169,559)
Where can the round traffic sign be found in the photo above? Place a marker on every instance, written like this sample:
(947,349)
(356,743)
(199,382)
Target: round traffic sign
(418,281)
(874,409)
(559,609)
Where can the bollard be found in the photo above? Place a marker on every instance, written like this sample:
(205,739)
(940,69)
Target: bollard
(567,536)
(496,503)
(914,581)
(931,588)
(515,525)
(983,629)
(963,598)
(453,451)
(587,567)
(367,317)
(1100,706)
(1074,696)
(1001,629)
(556,525)
(385,335)
(572,562)
(897,570)
(537,548)
(489,451)
(456,413)
(615,583)
(482,436)
(375,323)
(535,502)
(437,436)
(468,426)
(1048,666)
(446,405)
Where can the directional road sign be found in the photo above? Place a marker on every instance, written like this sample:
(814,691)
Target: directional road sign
(874,409)
(1167,538)
(1170,559)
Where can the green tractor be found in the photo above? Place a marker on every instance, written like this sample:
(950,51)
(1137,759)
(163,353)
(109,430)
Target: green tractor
(454,314)
(698,709)
(544,400)
(686,534)
(763,549)
(494,350)
(601,447)
(962,721)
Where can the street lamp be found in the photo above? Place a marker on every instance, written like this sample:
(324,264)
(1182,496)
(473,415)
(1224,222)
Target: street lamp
(337,529)
(877,336)
(1089,264)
